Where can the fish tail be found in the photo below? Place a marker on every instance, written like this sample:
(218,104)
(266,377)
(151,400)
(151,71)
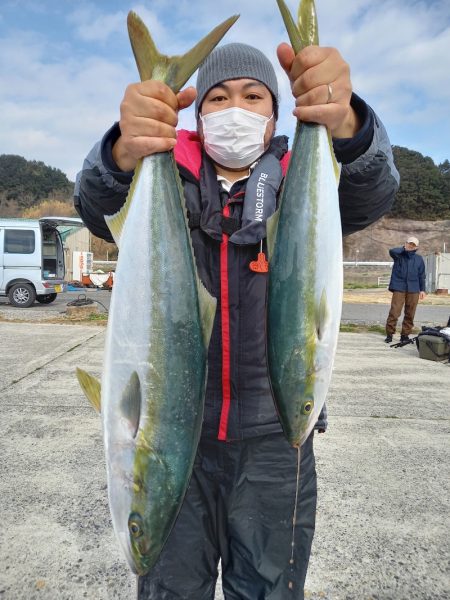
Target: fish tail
(91,388)
(173,70)
(306,32)
(307,22)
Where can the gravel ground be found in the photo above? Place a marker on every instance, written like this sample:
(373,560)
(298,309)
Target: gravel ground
(383,474)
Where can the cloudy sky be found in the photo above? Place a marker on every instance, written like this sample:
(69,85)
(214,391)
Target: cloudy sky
(64,65)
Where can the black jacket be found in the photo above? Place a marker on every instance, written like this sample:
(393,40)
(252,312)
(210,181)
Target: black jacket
(239,400)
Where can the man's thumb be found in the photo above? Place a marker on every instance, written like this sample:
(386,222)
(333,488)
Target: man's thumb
(186,97)
(286,56)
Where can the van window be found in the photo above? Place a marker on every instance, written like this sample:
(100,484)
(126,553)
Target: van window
(19,241)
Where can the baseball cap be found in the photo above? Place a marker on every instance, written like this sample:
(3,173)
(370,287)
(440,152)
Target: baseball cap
(412,240)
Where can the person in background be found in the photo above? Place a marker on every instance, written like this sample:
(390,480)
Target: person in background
(239,505)
(407,286)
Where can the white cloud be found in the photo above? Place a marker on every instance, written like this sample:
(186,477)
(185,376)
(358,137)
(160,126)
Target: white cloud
(93,25)
(60,93)
(55,111)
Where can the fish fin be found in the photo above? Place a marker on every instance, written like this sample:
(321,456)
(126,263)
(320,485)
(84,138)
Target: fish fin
(306,32)
(294,35)
(91,388)
(307,23)
(116,222)
(271,232)
(173,70)
(336,165)
(130,404)
(208,305)
(322,315)
(145,52)
(186,65)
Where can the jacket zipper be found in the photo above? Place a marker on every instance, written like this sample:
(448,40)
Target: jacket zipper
(225,316)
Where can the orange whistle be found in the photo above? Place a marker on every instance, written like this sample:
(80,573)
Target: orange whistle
(261,265)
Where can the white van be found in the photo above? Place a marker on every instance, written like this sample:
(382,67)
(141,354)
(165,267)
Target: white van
(32,258)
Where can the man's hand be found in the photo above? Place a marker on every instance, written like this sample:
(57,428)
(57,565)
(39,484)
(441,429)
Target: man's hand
(422,295)
(148,118)
(409,247)
(311,73)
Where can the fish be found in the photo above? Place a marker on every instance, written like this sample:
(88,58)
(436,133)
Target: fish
(159,326)
(304,241)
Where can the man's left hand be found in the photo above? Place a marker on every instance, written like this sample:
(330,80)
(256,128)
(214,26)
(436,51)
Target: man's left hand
(422,296)
(314,73)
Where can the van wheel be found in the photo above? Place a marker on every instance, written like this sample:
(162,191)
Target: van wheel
(46,298)
(22,295)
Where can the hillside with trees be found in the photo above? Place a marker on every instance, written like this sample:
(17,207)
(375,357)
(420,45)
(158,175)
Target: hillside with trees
(26,183)
(424,193)
(31,189)
(422,205)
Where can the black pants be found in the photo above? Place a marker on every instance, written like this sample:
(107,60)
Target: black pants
(239,509)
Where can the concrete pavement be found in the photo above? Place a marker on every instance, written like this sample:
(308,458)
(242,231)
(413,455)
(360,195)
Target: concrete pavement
(383,474)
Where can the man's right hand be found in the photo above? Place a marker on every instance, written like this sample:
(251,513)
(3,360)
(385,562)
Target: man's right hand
(148,118)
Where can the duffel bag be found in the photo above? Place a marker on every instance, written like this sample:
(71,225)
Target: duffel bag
(433,346)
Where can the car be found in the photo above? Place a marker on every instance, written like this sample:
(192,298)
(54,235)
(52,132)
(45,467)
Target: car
(32,259)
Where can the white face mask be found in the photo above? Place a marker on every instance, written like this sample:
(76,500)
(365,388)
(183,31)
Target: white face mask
(234,137)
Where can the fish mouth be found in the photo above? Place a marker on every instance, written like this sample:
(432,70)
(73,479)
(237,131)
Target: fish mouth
(137,553)
(127,550)
(139,544)
(142,563)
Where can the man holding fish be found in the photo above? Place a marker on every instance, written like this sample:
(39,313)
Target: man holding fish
(241,496)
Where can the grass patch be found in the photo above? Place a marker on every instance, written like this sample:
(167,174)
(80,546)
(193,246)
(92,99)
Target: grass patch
(361,328)
(361,286)
(98,317)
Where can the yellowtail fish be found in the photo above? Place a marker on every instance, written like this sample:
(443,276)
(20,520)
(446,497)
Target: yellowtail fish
(159,325)
(305,274)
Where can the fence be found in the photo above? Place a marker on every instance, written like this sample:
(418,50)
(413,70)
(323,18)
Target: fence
(383,281)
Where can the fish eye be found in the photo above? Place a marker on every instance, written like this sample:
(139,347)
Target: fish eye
(135,526)
(307,407)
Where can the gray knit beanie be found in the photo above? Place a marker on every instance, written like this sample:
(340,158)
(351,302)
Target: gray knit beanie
(235,61)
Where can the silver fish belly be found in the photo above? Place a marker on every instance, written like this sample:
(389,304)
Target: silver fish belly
(305,285)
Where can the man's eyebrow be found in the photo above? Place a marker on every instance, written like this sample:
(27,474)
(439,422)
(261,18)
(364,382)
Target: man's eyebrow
(253,84)
(247,85)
